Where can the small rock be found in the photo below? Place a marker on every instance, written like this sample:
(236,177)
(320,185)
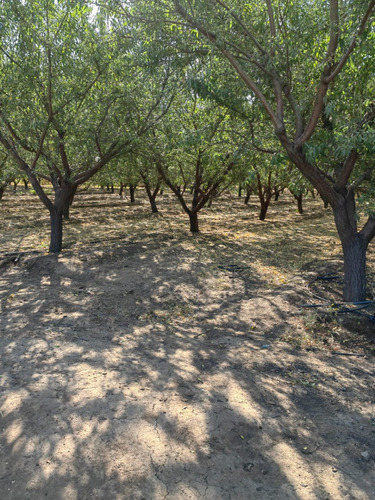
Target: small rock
(365,455)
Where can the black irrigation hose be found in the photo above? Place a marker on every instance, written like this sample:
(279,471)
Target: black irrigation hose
(341,306)
(232,267)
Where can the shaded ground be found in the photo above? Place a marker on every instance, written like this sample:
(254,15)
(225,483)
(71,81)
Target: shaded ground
(144,363)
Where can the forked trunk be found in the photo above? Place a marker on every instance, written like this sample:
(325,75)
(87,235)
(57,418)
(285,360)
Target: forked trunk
(152,197)
(56,219)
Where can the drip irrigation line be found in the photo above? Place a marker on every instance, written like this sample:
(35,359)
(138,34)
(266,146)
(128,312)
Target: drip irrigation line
(341,307)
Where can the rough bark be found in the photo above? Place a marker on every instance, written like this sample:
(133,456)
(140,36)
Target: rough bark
(194,226)
(56,219)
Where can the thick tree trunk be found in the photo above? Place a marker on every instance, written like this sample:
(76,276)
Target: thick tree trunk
(194,226)
(354,248)
(263,212)
(56,219)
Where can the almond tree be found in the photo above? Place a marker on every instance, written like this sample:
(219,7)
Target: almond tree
(311,67)
(72,97)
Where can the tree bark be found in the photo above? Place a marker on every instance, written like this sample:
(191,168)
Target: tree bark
(68,203)
(132,191)
(194,226)
(354,250)
(2,189)
(26,184)
(248,193)
(121,192)
(299,198)
(263,212)
(239,190)
(354,247)
(56,219)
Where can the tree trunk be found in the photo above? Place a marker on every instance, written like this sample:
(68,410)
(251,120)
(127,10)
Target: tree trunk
(239,190)
(56,219)
(248,193)
(277,194)
(121,192)
(15,184)
(354,249)
(26,184)
(2,189)
(152,196)
(263,212)
(299,197)
(194,227)
(68,203)
(354,269)
(132,191)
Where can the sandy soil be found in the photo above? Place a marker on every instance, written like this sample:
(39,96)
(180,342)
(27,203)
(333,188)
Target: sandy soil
(144,363)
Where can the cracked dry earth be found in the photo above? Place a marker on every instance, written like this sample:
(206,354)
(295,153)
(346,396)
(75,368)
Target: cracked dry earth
(147,370)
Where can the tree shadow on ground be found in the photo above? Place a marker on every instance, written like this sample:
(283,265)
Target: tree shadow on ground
(144,371)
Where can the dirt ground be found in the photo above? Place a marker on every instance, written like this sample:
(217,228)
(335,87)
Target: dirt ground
(145,363)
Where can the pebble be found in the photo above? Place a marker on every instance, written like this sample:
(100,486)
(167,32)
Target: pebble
(365,455)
